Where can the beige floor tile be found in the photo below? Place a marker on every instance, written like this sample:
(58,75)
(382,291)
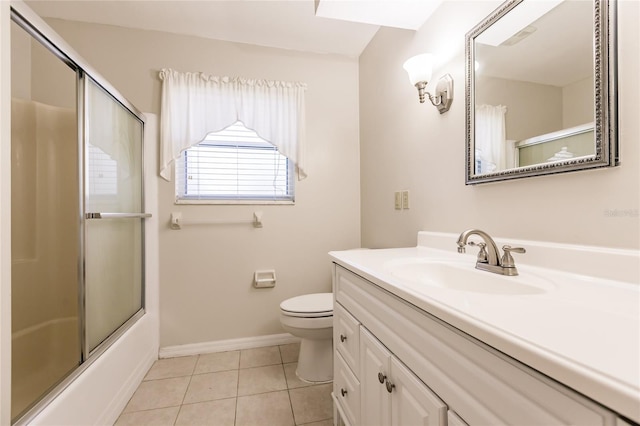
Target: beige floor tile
(312,404)
(170,395)
(292,379)
(259,357)
(221,361)
(328,422)
(158,394)
(212,386)
(158,417)
(218,413)
(261,379)
(271,408)
(289,353)
(172,367)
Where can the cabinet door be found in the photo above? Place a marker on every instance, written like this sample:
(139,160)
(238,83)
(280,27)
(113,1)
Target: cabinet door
(412,402)
(375,406)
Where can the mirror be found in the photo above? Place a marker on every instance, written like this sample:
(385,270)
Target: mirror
(541,89)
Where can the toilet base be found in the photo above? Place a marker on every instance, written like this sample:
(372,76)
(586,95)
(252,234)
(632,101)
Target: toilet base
(315,361)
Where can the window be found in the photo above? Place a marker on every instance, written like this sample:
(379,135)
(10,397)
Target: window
(234,166)
(103,173)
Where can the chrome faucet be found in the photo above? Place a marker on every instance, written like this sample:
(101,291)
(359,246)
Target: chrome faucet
(489,258)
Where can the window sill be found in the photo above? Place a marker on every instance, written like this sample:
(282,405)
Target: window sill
(238,202)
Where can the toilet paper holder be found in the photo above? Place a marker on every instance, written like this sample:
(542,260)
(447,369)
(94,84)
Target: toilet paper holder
(264,278)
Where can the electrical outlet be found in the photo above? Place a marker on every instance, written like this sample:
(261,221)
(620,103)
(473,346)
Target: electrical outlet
(405,199)
(398,200)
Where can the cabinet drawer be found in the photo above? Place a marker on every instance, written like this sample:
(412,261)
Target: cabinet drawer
(346,390)
(479,383)
(346,337)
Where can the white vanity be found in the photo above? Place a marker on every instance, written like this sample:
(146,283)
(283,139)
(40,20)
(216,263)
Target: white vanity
(421,337)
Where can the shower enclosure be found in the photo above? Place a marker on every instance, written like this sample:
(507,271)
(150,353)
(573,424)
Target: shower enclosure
(77,213)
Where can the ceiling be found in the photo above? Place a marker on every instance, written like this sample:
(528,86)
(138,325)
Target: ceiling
(342,27)
(554,54)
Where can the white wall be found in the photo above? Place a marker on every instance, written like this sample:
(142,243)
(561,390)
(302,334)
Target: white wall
(206,271)
(532,109)
(405,145)
(577,103)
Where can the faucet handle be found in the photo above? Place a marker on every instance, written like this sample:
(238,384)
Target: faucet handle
(507,260)
(482,254)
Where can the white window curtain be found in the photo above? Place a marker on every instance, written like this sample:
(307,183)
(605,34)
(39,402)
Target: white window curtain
(195,104)
(490,137)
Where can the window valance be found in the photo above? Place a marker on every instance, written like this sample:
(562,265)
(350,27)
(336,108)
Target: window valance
(195,104)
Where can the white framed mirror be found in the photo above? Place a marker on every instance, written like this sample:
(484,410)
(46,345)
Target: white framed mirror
(541,93)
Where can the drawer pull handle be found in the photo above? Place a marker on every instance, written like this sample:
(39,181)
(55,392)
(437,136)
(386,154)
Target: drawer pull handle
(343,391)
(343,338)
(390,386)
(381,378)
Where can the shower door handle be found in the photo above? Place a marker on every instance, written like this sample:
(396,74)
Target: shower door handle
(117,215)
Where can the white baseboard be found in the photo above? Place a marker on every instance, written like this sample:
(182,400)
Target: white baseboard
(227,345)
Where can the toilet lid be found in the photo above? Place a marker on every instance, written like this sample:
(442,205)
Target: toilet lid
(320,304)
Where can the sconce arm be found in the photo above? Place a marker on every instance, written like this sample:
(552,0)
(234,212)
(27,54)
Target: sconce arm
(443,96)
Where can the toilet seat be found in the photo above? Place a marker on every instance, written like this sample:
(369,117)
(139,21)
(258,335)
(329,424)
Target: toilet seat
(309,305)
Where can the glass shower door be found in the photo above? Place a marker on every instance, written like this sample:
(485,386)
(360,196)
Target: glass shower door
(45,341)
(114,215)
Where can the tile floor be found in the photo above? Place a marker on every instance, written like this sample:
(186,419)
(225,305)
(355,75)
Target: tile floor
(250,387)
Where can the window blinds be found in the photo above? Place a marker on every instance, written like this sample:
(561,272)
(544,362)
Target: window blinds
(234,164)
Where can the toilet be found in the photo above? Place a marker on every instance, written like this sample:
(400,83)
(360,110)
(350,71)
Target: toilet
(310,317)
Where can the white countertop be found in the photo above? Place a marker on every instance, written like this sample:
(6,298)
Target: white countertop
(584,332)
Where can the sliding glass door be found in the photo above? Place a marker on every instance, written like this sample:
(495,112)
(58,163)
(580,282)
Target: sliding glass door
(45,341)
(114,214)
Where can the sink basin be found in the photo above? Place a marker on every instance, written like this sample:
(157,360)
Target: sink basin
(459,276)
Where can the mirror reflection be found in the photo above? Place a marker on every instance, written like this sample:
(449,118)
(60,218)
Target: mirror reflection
(532,100)
(534,79)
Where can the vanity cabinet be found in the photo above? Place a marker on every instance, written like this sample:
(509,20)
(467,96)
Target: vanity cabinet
(437,374)
(390,393)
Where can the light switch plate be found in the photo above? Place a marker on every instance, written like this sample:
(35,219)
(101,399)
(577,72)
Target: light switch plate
(398,200)
(405,199)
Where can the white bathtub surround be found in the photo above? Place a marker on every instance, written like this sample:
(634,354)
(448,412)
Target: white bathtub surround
(98,395)
(583,330)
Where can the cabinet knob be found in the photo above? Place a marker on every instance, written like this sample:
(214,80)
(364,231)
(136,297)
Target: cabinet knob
(343,338)
(343,391)
(390,386)
(381,377)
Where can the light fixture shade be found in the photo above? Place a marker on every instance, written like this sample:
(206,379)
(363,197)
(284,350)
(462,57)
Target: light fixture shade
(419,68)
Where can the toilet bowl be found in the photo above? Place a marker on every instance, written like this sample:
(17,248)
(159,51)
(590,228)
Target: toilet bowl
(310,317)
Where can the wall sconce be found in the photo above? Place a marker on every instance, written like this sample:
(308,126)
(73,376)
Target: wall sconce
(419,69)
